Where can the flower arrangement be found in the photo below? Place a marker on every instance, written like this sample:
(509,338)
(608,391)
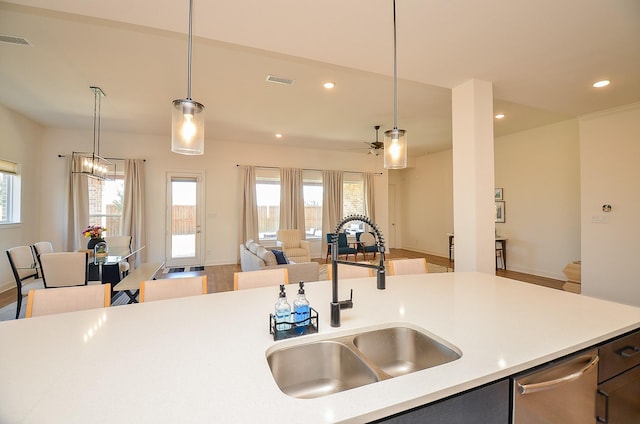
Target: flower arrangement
(94,231)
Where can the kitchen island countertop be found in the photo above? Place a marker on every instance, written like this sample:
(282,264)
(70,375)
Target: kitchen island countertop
(203,359)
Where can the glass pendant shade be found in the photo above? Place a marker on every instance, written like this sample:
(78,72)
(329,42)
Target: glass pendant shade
(395,149)
(187,127)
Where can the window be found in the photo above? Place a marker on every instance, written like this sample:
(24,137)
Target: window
(105,202)
(9,192)
(312,188)
(268,202)
(353,200)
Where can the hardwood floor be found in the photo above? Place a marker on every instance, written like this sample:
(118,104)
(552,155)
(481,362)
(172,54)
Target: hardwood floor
(220,277)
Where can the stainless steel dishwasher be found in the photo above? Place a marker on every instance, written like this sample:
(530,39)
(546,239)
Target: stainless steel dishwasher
(563,392)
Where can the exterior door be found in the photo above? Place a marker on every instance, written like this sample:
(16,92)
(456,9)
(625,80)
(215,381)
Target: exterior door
(184,219)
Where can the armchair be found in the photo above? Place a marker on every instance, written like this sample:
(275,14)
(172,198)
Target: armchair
(293,246)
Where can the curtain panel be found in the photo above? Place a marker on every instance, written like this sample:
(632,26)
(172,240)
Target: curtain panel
(133,208)
(78,205)
(292,200)
(248,207)
(331,203)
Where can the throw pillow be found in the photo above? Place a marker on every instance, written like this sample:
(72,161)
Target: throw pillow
(281,258)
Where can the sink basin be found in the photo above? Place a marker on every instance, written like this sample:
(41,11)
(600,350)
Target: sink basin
(318,369)
(322,367)
(403,350)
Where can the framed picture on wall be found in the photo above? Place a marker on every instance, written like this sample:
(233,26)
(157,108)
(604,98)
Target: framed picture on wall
(498,195)
(500,211)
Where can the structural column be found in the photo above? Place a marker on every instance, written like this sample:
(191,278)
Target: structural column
(473,177)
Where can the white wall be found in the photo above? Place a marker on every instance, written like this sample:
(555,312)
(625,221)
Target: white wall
(221,181)
(428,197)
(540,174)
(20,143)
(539,170)
(610,173)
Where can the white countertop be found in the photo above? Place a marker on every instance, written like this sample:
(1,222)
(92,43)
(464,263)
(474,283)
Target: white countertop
(203,359)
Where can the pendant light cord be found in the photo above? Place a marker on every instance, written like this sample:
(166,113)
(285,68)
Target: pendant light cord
(395,71)
(96,121)
(189,60)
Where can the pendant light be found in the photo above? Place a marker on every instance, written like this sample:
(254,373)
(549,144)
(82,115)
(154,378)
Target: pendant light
(92,164)
(187,116)
(395,140)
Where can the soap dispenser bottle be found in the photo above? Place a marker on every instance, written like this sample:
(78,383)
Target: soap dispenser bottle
(283,311)
(301,309)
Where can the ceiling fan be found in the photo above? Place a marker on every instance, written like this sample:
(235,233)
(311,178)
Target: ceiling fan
(375,147)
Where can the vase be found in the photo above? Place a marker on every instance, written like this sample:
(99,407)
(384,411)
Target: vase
(92,243)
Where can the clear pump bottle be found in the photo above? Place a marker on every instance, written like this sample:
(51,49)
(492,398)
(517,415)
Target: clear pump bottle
(301,309)
(283,311)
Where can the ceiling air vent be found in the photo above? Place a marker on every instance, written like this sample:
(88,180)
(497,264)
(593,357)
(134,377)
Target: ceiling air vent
(279,80)
(13,39)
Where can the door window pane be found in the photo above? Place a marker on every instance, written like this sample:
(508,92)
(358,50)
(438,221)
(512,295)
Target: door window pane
(183,218)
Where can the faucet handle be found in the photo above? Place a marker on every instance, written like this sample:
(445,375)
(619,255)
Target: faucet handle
(347,304)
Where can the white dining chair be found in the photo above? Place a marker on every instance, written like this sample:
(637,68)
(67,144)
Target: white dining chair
(25,272)
(64,269)
(67,299)
(260,278)
(408,266)
(170,288)
(349,271)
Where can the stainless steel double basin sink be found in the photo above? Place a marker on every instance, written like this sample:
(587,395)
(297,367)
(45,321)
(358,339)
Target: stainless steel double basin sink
(322,367)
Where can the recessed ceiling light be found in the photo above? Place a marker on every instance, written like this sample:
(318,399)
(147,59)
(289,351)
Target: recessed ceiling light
(328,85)
(278,135)
(500,116)
(601,84)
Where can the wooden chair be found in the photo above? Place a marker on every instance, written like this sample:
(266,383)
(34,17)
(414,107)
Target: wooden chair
(171,288)
(348,271)
(67,299)
(25,272)
(65,269)
(260,278)
(408,266)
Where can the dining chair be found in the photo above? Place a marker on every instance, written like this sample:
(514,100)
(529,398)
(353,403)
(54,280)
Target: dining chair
(343,246)
(65,269)
(408,266)
(349,271)
(42,247)
(367,244)
(67,299)
(25,271)
(170,288)
(260,278)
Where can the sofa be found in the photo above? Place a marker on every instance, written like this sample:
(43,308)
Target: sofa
(254,257)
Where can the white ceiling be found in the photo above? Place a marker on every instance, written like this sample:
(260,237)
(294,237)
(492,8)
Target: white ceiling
(541,55)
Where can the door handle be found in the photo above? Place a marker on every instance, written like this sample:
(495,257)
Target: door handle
(551,384)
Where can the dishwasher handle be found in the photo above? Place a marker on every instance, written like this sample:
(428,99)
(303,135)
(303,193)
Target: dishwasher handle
(551,384)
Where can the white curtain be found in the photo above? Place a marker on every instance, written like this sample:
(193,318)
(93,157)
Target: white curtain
(133,208)
(248,206)
(78,206)
(292,200)
(369,200)
(331,203)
